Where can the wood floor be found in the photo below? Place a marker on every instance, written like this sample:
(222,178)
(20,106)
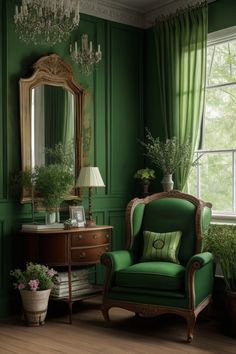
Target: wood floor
(127,335)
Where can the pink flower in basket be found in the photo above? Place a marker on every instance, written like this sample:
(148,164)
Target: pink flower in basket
(34,284)
(21,286)
(35,277)
(52,272)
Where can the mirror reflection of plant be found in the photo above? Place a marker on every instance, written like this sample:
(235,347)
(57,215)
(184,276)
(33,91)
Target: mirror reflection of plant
(61,155)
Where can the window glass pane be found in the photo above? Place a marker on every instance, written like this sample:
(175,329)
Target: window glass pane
(213,180)
(216,179)
(220,118)
(221,63)
(192,182)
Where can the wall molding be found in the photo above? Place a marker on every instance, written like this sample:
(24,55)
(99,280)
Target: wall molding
(112,11)
(128,15)
(2,222)
(221,36)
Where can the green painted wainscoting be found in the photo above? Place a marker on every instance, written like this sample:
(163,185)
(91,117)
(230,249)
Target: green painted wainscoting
(121,99)
(113,122)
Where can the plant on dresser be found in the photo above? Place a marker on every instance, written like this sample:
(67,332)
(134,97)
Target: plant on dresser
(52,181)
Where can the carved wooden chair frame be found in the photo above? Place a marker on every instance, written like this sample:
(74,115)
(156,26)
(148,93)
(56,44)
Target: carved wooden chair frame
(189,314)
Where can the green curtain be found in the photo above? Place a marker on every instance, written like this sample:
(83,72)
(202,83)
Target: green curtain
(68,131)
(59,115)
(181,41)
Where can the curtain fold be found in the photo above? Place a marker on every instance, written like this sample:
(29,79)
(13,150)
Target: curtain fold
(59,112)
(181,42)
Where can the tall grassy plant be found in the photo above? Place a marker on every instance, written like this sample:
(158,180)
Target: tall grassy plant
(167,155)
(221,241)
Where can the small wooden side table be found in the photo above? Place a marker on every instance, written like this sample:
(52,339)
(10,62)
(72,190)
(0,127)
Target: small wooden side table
(74,247)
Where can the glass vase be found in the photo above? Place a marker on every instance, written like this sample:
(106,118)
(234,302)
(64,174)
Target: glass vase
(50,217)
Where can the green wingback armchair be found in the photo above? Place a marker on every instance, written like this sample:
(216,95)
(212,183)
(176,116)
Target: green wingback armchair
(162,268)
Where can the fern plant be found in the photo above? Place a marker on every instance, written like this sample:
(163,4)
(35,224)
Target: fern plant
(221,241)
(168,155)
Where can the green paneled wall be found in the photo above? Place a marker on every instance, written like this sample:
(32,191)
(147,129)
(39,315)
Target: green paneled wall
(113,121)
(122,98)
(1,108)
(126,111)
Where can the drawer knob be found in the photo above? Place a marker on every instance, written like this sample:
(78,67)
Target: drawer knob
(80,236)
(95,236)
(107,235)
(82,255)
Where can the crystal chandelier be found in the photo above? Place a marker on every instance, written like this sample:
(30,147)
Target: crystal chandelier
(46,21)
(84,56)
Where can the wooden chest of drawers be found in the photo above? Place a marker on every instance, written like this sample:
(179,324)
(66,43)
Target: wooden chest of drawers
(62,247)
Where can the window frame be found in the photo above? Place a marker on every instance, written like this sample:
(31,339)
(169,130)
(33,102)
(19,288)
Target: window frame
(214,38)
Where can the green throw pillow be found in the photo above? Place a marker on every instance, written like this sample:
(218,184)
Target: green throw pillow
(161,246)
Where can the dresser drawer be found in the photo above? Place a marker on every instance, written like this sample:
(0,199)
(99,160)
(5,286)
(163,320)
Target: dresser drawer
(90,238)
(88,255)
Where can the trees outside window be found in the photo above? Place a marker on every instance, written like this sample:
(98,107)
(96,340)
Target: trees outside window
(214,179)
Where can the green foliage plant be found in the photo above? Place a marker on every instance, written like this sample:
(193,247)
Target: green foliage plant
(221,241)
(168,155)
(35,277)
(145,174)
(54,180)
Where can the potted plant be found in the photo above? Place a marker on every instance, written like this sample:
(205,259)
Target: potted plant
(35,284)
(168,156)
(52,181)
(221,241)
(145,175)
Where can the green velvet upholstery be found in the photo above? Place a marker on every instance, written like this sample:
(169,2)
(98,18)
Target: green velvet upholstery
(161,286)
(166,215)
(152,275)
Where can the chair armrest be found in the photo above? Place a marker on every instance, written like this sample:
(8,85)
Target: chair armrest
(200,260)
(114,261)
(117,259)
(199,278)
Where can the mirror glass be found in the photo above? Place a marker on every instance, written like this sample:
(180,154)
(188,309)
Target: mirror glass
(51,106)
(52,120)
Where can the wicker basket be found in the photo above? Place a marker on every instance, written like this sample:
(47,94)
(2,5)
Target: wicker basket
(35,305)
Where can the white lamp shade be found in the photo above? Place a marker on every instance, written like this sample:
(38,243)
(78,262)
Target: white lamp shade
(90,177)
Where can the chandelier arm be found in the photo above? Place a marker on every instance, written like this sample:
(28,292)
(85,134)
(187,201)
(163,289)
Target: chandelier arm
(85,57)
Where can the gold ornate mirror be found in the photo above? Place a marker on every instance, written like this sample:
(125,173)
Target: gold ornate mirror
(51,106)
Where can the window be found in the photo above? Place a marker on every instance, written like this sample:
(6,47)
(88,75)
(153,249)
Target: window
(214,179)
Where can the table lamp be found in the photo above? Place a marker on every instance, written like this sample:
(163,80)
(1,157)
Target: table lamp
(90,177)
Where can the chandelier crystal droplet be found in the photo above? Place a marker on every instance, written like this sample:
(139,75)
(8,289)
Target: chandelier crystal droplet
(85,56)
(46,22)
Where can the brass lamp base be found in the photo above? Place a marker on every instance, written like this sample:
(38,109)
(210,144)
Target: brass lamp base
(90,223)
